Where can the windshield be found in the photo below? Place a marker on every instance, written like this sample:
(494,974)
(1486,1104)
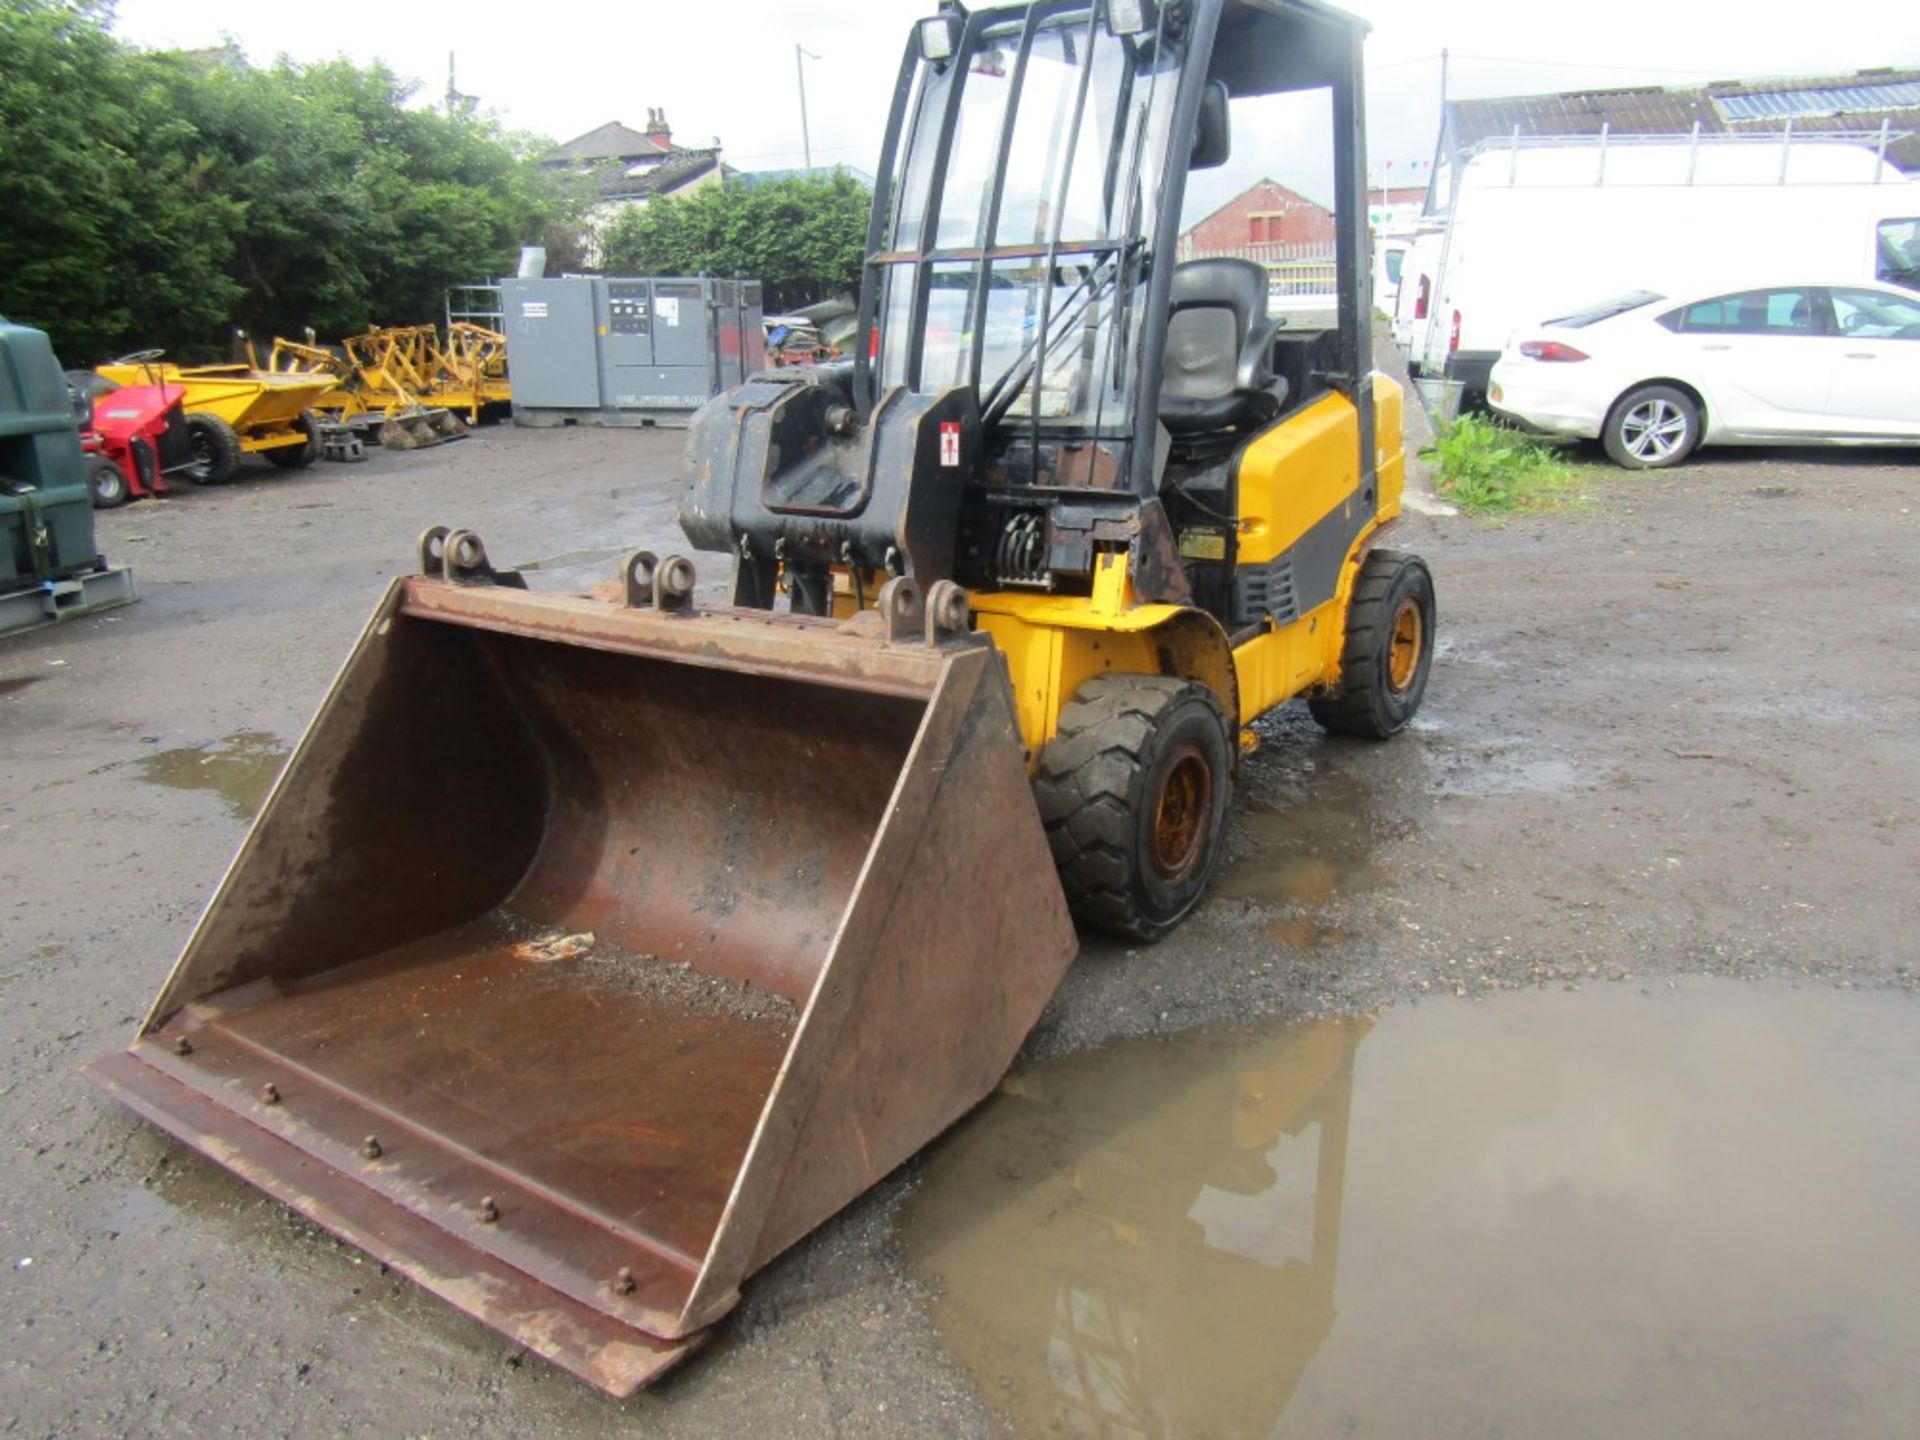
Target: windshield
(995,253)
(1900,252)
(1606,309)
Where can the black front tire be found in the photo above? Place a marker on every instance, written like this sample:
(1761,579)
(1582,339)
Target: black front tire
(216,449)
(1133,790)
(298,457)
(1388,650)
(107,484)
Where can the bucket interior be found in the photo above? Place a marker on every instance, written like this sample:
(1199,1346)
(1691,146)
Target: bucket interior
(542,919)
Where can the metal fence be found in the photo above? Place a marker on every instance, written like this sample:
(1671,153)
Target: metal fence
(1294,271)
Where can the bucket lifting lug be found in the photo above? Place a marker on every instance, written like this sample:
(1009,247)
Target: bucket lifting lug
(636,576)
(948,612)
(902,608)
(460,557)
(673,582)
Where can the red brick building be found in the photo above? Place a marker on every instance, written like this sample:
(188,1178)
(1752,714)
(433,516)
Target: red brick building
(1264,214)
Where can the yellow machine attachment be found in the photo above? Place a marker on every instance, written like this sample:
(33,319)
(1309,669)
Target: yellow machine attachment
(392,379)
(473,369)
(396,372)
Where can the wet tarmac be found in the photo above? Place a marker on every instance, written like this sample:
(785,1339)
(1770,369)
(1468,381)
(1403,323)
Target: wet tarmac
(1620,780)
(240,768)
(1681,1210)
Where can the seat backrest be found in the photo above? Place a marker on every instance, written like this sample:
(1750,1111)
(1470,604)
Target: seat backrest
(1213,307)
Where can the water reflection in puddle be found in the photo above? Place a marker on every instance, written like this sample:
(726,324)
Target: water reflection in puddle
(1305,845)
(239,769)
(1551,1214)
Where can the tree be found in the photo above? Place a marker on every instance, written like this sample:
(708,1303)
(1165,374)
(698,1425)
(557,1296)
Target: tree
(803,238)
(359,209)
(159,198)
(111,227)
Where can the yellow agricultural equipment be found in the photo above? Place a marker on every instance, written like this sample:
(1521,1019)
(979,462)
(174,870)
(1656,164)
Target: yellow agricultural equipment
(472,370)
(234,411)
(400,379)
(593,948)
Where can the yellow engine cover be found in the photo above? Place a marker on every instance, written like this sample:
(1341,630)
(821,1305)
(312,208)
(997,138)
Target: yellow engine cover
(1301,503)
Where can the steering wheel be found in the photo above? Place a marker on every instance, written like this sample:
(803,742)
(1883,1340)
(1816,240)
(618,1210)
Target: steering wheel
(140,357)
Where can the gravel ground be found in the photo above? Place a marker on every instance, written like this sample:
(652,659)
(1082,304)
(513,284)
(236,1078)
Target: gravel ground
(1668,732)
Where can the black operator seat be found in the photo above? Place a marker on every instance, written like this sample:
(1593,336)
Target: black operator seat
(1219,363)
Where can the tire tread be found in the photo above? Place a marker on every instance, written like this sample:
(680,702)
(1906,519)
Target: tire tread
(1084,783)
(1355,708)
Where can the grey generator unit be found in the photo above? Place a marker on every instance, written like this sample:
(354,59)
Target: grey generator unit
(641,351)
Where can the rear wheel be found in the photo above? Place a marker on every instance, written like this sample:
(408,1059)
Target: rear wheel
(298,457)
(216,449)
(1133,790)
(107,483)
(1652,427)
(1387,652)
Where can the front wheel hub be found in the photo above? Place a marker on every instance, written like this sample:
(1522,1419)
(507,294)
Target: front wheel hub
(1181,812)
(1404,645)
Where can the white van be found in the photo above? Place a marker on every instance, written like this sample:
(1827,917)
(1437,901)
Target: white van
(1390,246)
(1542,225)
(1413,300)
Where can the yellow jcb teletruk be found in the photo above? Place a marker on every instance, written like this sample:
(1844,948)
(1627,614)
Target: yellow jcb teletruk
(594,948)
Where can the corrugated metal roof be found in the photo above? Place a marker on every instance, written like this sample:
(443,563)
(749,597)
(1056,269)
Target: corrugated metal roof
(1624,112)
(1832,102)
(1836,100)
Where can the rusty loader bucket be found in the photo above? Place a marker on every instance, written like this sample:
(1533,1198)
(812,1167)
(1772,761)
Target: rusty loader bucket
(594,949)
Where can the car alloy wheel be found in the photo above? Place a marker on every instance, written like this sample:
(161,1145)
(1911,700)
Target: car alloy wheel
(1653,430)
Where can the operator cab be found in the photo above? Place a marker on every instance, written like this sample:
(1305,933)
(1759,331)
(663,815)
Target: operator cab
(1046,358)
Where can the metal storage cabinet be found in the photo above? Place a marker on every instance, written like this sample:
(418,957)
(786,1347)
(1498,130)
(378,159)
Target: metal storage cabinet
(551,353)
(633,350)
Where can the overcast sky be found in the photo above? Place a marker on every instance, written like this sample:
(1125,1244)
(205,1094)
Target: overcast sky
(725,68)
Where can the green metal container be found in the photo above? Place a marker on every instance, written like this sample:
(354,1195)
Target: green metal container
(50,566)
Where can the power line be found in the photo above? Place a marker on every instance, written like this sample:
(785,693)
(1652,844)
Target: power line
(1399,64)
(1583,65)
(797,154)
(1541,64)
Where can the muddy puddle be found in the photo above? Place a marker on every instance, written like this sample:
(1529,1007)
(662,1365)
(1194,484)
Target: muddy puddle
(1304,847)
(239,768)
(1604,1213)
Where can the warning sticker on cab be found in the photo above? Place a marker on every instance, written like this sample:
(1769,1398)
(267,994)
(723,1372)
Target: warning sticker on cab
(950,444)
(1198,544)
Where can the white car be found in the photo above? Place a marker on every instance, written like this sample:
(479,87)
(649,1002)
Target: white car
(1652,378)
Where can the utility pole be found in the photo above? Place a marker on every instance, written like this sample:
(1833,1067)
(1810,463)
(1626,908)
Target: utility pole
(800,57)
(453,95)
